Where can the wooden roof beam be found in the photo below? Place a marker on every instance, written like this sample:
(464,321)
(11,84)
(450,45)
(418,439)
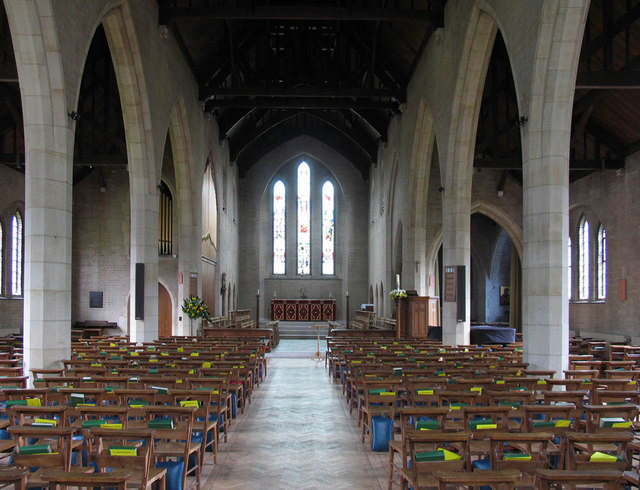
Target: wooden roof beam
(301,103)
(303,12)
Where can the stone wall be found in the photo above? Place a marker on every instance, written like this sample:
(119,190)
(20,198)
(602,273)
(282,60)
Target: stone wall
(612,199)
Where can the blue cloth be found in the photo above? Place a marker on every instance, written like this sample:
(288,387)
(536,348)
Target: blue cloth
(174,473)
(381,432)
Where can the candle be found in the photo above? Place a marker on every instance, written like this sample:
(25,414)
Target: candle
(347,293)
(258,292)
(398,281)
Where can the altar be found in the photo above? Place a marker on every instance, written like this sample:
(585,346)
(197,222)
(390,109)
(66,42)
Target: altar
(303,310)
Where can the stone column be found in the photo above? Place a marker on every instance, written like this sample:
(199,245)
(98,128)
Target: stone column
(144,249)
(48,184)
(456,250)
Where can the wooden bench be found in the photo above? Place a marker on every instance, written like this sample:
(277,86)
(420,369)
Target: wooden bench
(363,320)
(242,319)
(91,328)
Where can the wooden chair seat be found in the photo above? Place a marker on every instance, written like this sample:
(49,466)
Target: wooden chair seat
(16,476)
(500,478)
(545,478)
(57,478)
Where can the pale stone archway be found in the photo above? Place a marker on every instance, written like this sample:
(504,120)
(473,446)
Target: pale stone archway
(48,184)
(144,177)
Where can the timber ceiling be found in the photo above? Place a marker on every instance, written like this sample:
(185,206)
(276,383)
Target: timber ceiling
(337,70)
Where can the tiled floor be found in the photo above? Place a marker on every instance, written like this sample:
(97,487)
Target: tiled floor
(296,433)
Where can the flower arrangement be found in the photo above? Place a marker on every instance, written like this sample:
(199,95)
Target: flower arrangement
(194,307)
(398,293)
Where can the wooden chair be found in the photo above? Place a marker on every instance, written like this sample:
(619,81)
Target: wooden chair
(56,444)
(579,448)
(524,451)
(610,417)
(465,479)
(410,420)
(378,401)
(14,476)
(58,479)
(556,419)
(547,479)
(422,446)
(203,421)
(141,465)
(176,442)
(220,400)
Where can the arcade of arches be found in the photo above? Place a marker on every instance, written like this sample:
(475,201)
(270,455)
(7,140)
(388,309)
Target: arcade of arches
(119,165)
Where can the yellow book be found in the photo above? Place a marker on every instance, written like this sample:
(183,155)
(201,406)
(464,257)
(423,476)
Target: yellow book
(206,364)
(450,455)
(34,402)
(164,354)
(621,425)
(195,354)
(387,393)
(123,451)
(178,381)
(111,426)
(486,426)
(563,423)
(180,349)
(425,392)
(96,364)
(153,360)
(135,354)
(45,422)
(192,371)
(190,403)
(599,457)
(500,382)
(476,388)
(541,382)
(111,344)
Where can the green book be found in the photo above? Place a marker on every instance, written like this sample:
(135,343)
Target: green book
(87,424)
(12,403)
(429,456)
(160,424)
(428,425)
(35,449)
(138,403)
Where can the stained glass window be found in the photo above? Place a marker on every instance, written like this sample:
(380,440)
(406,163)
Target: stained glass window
(279,228)
(16,255)
(583,259)
(602,262)
(328,228)
(304,219)
(570,269)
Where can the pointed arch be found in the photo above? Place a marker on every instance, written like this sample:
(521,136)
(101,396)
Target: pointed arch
(601,271)
(584,253)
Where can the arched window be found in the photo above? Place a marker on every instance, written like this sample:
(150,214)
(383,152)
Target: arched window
(16,254)
(279,228)
(583,259)
(602,263)
(304,219)
(570,271)
(328,229)
(165,221)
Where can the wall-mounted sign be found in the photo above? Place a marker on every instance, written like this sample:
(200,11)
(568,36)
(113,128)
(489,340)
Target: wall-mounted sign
(450,283)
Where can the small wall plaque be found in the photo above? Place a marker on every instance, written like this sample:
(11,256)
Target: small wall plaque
(95,299)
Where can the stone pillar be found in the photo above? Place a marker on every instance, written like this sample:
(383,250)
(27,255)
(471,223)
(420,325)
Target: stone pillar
(48,185)
(144,249)
(456,250)
(546,138)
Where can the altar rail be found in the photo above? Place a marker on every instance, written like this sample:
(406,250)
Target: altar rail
(241,333)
